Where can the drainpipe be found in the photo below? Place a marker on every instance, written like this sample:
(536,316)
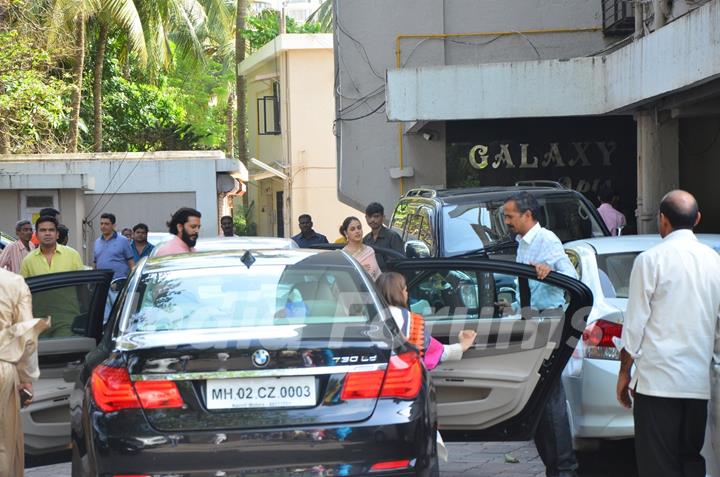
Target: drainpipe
(659,8)
(639,20)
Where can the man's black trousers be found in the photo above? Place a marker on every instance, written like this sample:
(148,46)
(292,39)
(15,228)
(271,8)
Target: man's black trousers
(669,434)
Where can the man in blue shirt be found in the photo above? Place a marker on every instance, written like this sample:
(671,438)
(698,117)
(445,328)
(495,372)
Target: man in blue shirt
(307,235)
(540,247)
(112,250)
(139,245)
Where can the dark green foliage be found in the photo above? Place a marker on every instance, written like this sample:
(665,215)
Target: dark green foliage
(32,111)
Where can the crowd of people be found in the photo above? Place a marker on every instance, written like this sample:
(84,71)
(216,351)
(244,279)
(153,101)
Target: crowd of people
(670,345)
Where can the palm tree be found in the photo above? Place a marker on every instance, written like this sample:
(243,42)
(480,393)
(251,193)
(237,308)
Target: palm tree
(324,16)
(188,22)
(240,45)
(125,14)
(75,13)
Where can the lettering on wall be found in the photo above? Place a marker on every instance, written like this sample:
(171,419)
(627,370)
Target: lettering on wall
(582,153)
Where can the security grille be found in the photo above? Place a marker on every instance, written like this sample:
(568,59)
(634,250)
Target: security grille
(618,17)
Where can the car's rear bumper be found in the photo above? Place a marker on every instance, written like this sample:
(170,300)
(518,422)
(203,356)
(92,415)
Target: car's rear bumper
(128,445)
(594,410)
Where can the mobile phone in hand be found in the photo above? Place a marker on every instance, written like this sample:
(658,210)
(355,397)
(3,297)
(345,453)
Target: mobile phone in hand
(25,397)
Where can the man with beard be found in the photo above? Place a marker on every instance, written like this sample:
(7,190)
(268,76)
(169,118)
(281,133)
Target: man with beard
(185,226)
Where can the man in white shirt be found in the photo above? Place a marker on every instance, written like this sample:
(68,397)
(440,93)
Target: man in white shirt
(669,334)
(541,248)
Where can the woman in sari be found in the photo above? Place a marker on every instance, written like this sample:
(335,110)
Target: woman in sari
(352,230)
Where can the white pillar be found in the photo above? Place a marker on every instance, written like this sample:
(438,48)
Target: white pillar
(657,163)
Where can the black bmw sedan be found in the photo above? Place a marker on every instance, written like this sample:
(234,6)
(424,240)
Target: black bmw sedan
(287,363)
(277,363)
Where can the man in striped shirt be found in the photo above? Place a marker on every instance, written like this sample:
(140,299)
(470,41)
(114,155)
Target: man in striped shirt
(12,256)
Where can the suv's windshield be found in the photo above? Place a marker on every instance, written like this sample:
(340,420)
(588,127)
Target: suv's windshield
(468,227)
(229,297)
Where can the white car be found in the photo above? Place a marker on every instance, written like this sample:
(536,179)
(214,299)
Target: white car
(158,238)
(242,243)
(216,244)
(590,377)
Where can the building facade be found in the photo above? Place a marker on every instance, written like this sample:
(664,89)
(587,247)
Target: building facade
(583,92)
(136,187)
(290,136)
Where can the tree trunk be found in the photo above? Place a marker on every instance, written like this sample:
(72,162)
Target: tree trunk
(78,76)
(229,136)
(240,80)
(97,86)
(4,141)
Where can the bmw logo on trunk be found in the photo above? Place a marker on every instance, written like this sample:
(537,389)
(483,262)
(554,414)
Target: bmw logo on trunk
(261,358)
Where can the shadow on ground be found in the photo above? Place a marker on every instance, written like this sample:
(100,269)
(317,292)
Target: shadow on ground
(613,458)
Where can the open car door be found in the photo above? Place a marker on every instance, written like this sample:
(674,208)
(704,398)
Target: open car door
(75,301)
(527,330)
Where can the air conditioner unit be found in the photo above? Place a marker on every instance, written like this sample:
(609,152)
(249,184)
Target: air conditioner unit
(618,17)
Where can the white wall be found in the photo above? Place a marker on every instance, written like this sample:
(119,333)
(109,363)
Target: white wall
(128,184)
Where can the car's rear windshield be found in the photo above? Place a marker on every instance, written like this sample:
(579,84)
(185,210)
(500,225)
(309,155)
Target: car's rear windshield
(614,273)
(238,296)
(472,226)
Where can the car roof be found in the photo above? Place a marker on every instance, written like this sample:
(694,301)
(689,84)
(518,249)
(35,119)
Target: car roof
(243,243)
(635,243)
(234,258)
(491,194)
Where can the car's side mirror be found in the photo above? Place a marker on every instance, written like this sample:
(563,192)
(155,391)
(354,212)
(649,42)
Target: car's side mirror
(417,249)
(507,294)
(469,296)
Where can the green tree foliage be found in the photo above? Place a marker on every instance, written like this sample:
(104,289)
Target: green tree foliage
(265,26)
(205,91)
(323,16)
(33,114)
(138,115)
(167,78)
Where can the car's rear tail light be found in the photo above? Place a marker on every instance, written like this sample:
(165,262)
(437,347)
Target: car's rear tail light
(402,379)
(404,376)
(598,340)
(362,385)
(158,394)
(113,390)
(390,465)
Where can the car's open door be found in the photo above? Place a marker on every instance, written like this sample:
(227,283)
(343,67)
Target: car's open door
(75,301)
(527,330)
